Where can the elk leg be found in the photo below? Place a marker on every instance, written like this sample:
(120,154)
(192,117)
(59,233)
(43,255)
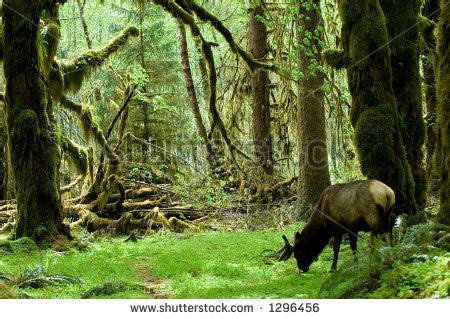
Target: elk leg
(352,238)
(336,247)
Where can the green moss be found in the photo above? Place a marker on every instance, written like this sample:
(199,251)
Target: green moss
(22,245)
(336,58)
(374,113)
(89,126)
(25,132)
(402,20)
(77,155)
(187,266)
(81,67)
(374,137)
(443,111)
(51,37)
(56,82)
(33,145)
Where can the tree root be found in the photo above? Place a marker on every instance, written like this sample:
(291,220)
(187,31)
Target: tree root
(128,223)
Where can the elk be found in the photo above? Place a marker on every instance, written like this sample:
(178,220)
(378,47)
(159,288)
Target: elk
(364,205)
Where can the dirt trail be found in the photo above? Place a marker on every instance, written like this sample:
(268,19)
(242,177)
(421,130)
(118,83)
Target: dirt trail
(156,288)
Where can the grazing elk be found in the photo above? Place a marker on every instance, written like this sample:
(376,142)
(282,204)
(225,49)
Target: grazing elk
(342,208)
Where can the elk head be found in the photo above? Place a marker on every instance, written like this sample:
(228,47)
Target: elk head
(301,255)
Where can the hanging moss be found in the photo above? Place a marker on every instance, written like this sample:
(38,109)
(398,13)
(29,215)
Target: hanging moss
(77,155)
(402,21)
(56,82)
(77,69)
(374,114)
(51,37)
(184,13)
(443,111)
(89,127)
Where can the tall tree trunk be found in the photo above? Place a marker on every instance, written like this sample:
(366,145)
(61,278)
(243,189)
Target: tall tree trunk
(193,101)
(258,46)
(402,25)
(145,107)
(430,10)
(443,111)
(374,114)
(32,140)
(314,175)
(81,4)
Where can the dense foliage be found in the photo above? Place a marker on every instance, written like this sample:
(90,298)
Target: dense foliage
(178,125)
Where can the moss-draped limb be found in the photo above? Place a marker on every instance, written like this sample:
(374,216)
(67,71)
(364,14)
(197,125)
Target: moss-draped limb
(374,114)
(52,35)
(443,110)
(402,18)
(69,187)
(178,12)
(81,7)
(77,69)
(103,170)
(190,88)
(90,127)
(184,14)
(216,119)
(77,155)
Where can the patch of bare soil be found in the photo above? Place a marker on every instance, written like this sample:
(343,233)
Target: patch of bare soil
(155,287)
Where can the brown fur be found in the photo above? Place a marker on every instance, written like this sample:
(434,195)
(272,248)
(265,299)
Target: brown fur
(344,208)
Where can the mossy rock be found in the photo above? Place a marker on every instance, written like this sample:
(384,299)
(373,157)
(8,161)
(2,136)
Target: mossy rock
(19,246)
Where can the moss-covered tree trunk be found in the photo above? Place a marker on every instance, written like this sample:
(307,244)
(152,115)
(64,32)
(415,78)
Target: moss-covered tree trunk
(33,144)
(403,33)
(374,114)
(443,111)
(257,42)
(190,88)
(314,175)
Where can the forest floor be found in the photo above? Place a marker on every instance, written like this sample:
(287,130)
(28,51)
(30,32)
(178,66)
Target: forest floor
(225,264)
(213,264)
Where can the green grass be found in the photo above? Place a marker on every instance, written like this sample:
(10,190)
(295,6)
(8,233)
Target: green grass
(233,265)
(207,265)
